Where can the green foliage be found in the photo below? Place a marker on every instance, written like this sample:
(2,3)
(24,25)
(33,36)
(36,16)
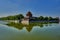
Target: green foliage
(28,27)
(50,18)
(15,17)
(20,16)
(41,18)
(46,18)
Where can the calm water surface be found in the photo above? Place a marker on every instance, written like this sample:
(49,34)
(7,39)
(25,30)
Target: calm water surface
(47,32)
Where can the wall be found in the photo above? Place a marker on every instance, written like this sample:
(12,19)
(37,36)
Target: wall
(25,22)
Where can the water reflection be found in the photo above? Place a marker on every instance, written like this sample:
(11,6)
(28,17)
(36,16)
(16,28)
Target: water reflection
(33,31)
(30,26)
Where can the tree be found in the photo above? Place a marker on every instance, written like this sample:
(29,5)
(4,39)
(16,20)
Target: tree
(41,18)
(20,16)
(15,17)
(46,18)
(57,18)
(50,18)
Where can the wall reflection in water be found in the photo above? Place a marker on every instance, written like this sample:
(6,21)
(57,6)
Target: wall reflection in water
(30,26)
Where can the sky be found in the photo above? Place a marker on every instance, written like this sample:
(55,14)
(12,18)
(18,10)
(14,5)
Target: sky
(37,7)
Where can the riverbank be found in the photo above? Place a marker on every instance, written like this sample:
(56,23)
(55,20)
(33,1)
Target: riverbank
(29,32)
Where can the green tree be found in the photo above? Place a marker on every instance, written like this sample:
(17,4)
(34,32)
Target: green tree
(50,18)
(20,16)
(15,17)
(41,18)
(46,18)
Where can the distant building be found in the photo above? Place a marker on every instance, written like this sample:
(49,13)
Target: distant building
(29,18)
(26,19)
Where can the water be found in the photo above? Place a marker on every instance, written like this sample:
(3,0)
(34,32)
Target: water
(47,32)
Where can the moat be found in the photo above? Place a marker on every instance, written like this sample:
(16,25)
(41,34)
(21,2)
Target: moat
(49,31)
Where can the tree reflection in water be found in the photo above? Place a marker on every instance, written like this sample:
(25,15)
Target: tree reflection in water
(28,27)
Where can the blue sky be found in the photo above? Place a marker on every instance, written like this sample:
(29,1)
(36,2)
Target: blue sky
(37,7)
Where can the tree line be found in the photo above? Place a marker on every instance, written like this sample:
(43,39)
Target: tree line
(48,18)
(20,16)
(15,17)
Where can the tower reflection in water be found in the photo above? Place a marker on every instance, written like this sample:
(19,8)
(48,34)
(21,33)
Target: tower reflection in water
(30,26)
